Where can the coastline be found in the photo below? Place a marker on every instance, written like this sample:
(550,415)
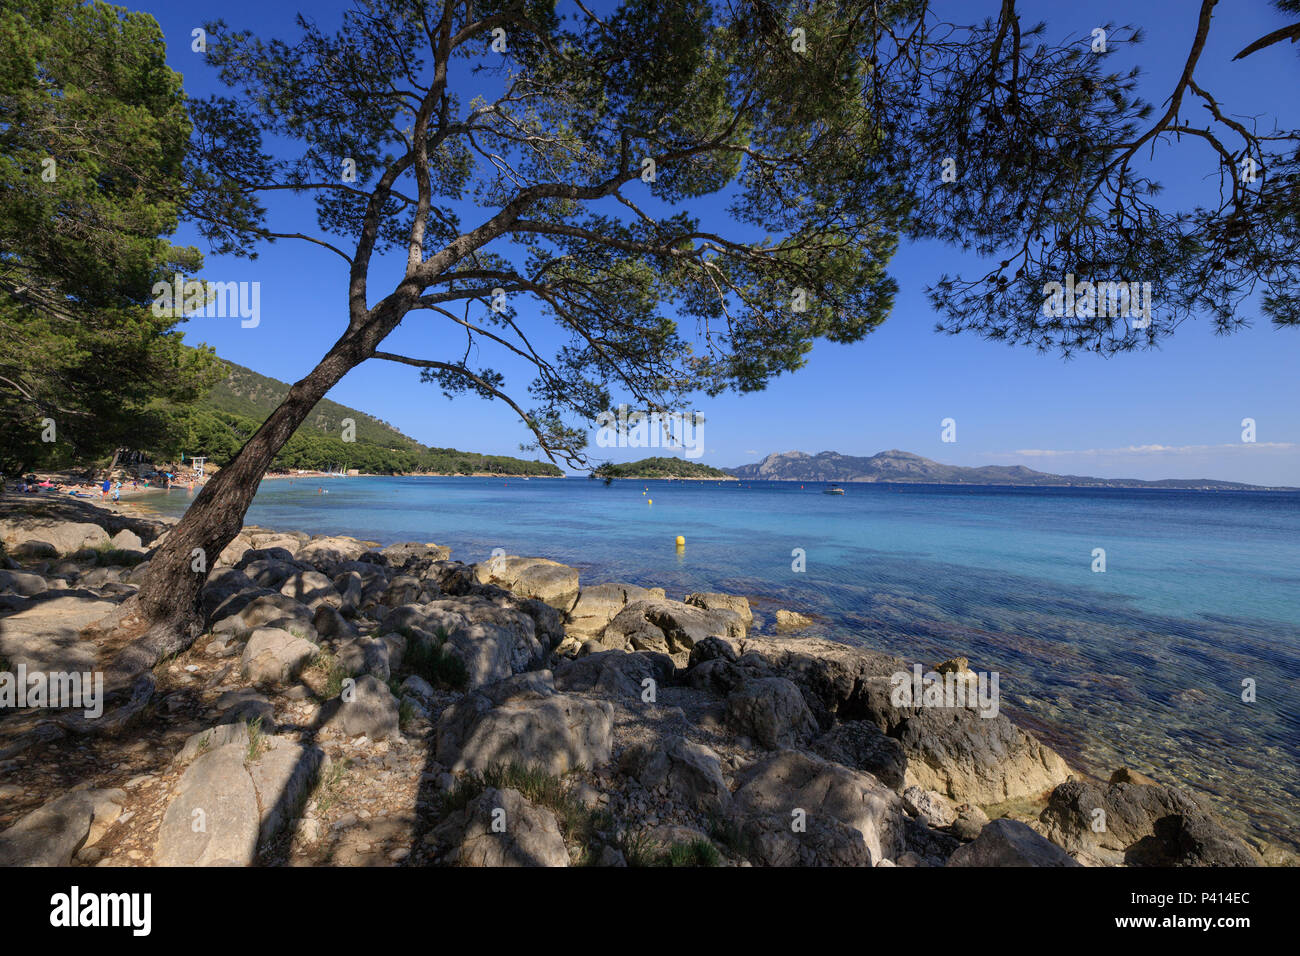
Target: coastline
(535,581)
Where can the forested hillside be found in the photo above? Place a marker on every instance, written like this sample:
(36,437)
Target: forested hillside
(220,422)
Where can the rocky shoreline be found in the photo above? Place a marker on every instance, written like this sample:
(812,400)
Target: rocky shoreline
(350,704)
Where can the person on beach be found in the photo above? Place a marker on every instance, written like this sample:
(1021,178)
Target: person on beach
(104,489)
(117,491)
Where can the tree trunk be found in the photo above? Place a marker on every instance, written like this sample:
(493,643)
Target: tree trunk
(168,601)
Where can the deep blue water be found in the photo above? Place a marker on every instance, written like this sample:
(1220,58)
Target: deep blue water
(1141,665)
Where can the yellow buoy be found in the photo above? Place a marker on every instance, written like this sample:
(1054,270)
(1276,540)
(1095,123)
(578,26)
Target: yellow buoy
(681,541)
(649,501)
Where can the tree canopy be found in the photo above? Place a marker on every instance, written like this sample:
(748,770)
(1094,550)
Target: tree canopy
(829,128)
(93,133)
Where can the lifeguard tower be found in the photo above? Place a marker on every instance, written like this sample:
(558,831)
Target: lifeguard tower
(198,466)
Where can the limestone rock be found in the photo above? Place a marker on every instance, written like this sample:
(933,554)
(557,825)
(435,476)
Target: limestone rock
(967,757)
(312,589)
(212,819)
(326,552)
(274,656)
(615,673)
(860,745)
(50,835)
(790,781)
(691,772)
(502,828)
(772,711)
(127,540)
(1140,825)
(267,609)
(1009,843)
(65,537)
(937,809)
(549,581)
(598,604)
(553,733)
(670,627)
(969,822)
(493,642)
(713,601)
(46,635)
(791,620)
(20,582)
(367,707)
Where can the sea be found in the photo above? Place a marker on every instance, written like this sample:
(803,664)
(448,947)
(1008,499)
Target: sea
(1152,629)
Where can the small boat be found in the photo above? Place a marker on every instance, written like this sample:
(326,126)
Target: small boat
(834,490)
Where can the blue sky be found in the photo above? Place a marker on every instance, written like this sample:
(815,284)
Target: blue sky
(1173,412)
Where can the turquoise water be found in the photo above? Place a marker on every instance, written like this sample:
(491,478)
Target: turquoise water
(1141,665)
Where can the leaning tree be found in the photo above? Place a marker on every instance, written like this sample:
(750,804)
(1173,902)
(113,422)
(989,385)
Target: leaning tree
(539,162)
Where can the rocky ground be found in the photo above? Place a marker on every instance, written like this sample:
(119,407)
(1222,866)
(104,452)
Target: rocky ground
(363,706)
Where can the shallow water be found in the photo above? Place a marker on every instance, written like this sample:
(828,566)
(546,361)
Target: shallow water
(1140,666)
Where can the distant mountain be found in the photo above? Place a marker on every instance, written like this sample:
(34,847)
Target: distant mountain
(902,466)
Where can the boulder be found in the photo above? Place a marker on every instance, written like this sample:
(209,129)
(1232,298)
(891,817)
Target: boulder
(52,834)
(772,711)
(246,705)
(366,655)
(222,585)
(832,675)
(351,589)
(403,589)
(967,757)
(20,582)
(407,553)
(554,733)
(713,601)
(935,808)
(213,818)
(214,738)
(860,745)
(791,620)
(493,642)
(823,841)
(329,623)
(46,635)
(275,609)
(1140,825)
(64,537)
(228,800)
(127,540)
(326,553)
(312,589)
(502,828)
(367,707)
(970,821)
(615,673)
(793,787)
(598,604)
(690,772)
(1009,843)
(274,656)
(669,627)
(549,581)
(283,776)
